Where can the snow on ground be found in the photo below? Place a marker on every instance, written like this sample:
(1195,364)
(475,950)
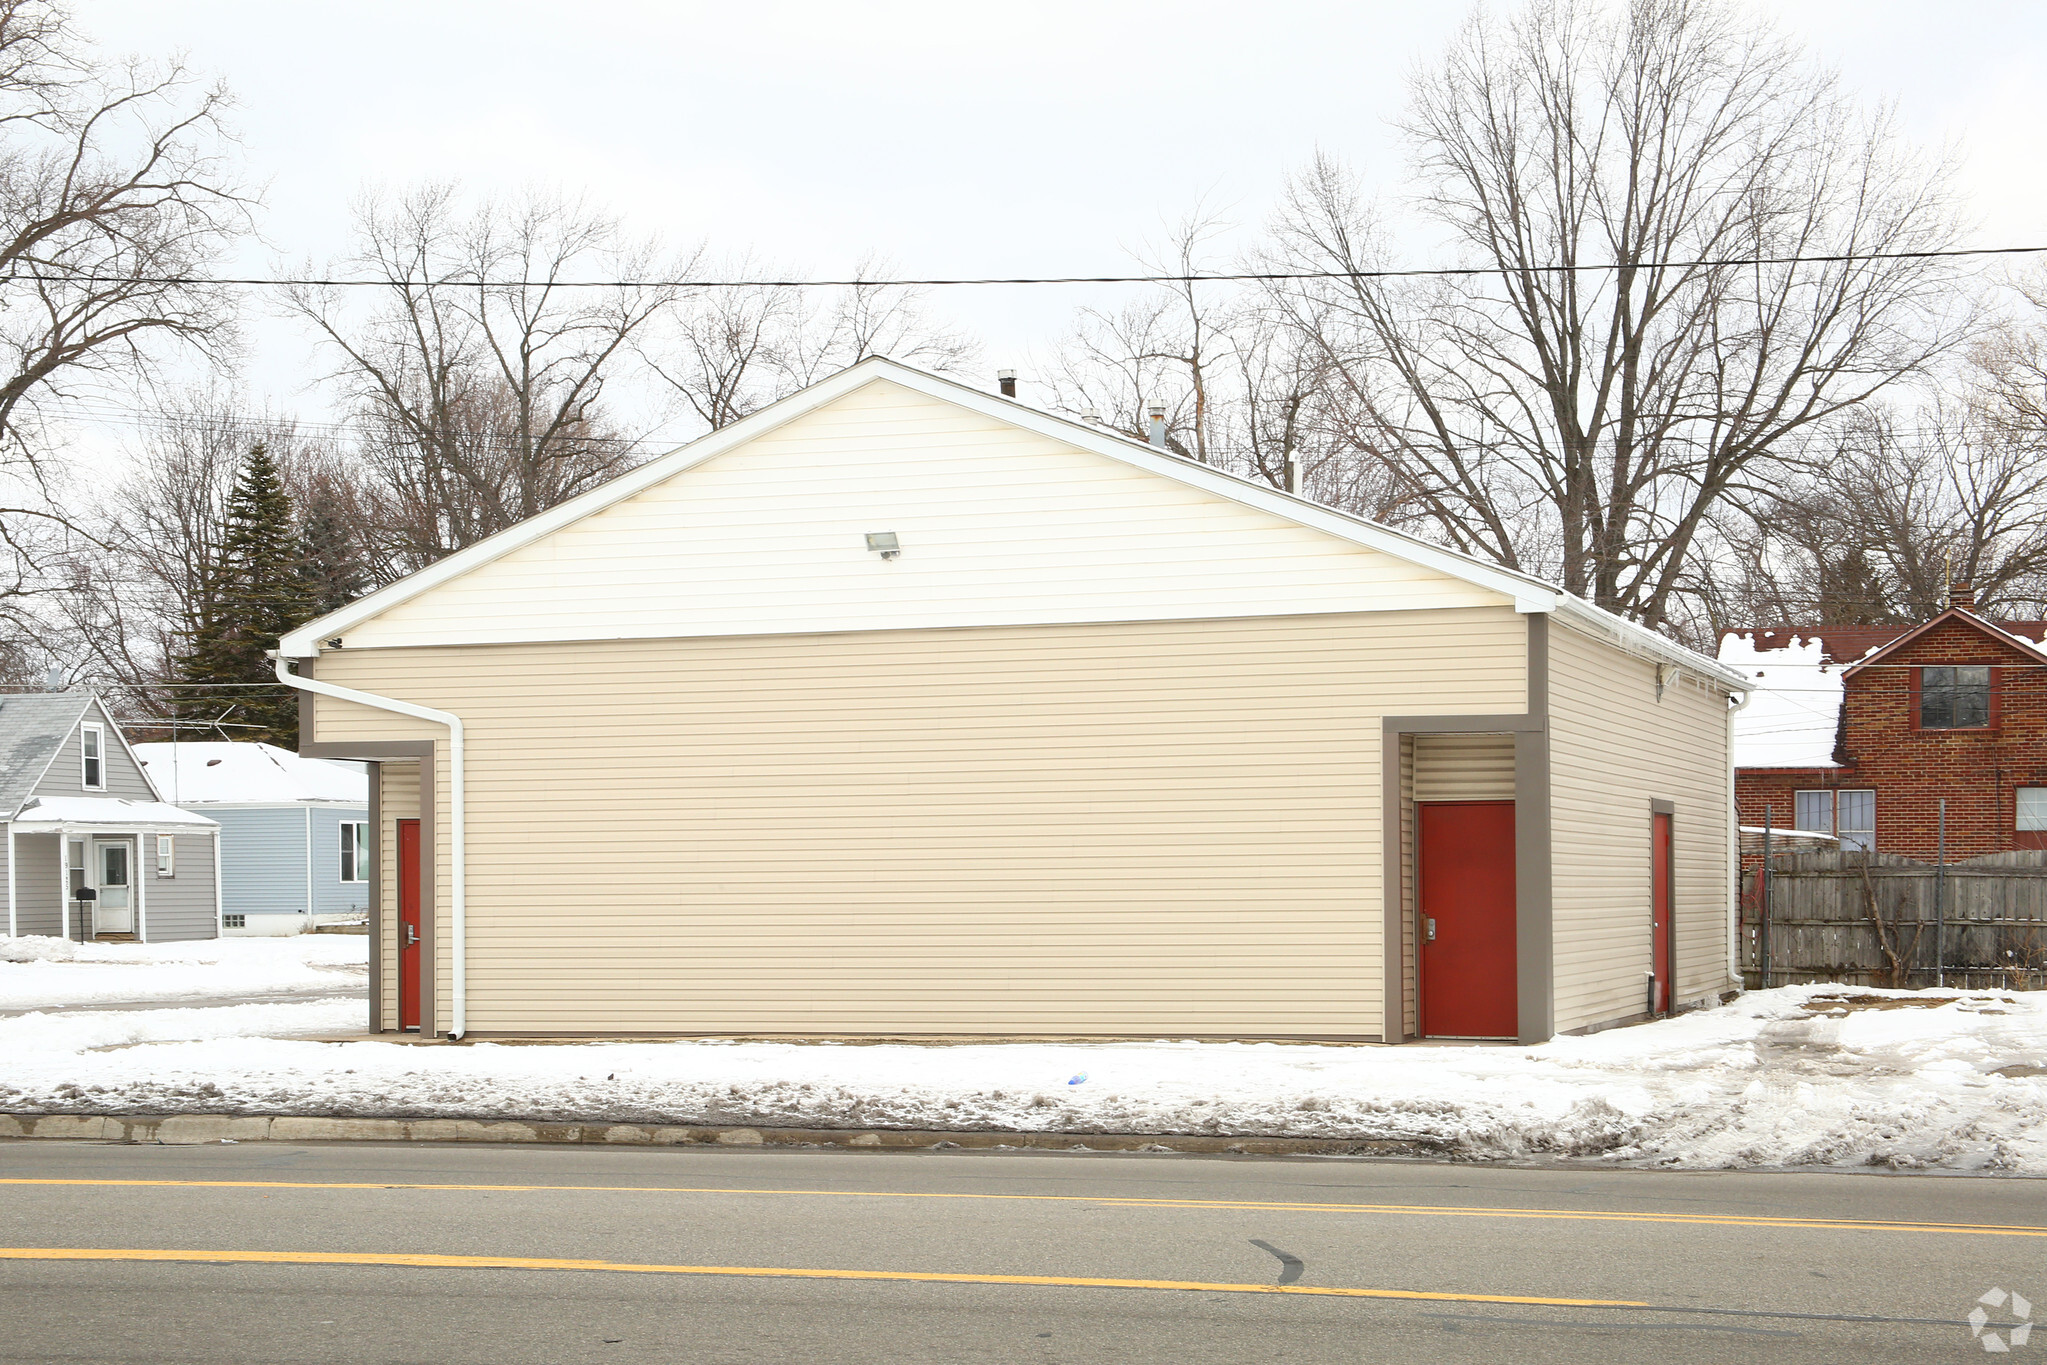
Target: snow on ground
(1778,1078)
(39,972)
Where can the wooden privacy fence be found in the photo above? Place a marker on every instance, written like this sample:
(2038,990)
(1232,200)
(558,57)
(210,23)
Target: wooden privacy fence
(1877,919)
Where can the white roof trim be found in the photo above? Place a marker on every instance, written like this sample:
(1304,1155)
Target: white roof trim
(1527,593)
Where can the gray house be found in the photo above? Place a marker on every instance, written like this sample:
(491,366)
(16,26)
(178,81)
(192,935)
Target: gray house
(91,849)
(294,832)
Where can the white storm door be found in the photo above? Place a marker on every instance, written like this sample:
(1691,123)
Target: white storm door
(113,864)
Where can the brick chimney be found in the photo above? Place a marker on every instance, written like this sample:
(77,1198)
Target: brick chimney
(1962,596)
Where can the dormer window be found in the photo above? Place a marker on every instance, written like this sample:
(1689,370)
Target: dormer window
(92,750)
(1954,697)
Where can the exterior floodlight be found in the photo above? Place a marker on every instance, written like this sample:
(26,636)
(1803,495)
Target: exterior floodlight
(884,543)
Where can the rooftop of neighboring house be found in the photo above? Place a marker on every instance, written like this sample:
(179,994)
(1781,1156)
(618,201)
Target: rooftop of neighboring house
(1794,713)
(32,726)
(199,773)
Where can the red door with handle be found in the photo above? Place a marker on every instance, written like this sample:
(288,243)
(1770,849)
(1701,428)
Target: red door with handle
(1662,955)
(1467,904)
(410,929)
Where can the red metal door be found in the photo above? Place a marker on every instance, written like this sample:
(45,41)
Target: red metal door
(1467,903)
(1663,958)
(410,929)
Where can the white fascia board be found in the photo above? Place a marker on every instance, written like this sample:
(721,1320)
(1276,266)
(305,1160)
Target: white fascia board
(128,748)
(1528,594)
(304,643)
(1620,630)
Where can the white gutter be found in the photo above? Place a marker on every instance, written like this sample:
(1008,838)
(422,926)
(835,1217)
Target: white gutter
(458,917)
(1734,850)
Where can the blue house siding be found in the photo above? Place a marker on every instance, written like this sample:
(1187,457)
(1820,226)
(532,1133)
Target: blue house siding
(331,895)
(262,860)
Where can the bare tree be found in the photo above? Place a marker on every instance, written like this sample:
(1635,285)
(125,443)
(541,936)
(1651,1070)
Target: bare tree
(478,372)
(142,577)
(732,350)
(116,198)
(1626,182)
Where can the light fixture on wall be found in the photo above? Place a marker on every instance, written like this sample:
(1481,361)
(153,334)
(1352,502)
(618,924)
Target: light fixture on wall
(884,543)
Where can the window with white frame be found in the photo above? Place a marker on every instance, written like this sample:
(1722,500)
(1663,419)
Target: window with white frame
(1813,811)
(1855,818)
(2033,807)
(166,856)
(1850,815)
(355,850)
(92,755)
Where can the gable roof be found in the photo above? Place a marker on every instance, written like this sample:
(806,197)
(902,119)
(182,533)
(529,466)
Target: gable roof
(1527,593)
(206,772)
(32,728)
(1957,614)
(1849,644)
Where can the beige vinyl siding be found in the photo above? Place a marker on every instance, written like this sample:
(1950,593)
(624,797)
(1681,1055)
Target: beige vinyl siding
(999,526)
(1162,827)
(1614,747)
(1464,767)
(398,797)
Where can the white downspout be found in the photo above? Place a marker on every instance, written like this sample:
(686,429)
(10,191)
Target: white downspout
(458,919)
(1734,851)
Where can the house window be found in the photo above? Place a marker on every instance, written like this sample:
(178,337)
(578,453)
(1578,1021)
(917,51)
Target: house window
(355,850)
(1850,815)
(234,921)
(1855,819)
(1954,697)
(92,744)
(166,856)
(1813,811)
(2033,808)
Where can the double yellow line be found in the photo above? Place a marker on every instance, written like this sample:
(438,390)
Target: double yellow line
(1118,1201)
(434,1262)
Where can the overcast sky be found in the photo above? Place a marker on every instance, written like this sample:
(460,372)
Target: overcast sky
(956,139)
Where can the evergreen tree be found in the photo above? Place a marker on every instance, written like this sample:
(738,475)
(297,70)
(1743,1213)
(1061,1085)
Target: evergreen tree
(263,593)
(330,557)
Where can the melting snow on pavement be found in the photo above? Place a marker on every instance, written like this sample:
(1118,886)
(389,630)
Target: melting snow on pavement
(40,972)
(1800,1076)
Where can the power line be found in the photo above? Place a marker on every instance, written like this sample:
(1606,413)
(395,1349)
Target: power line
(1196,277)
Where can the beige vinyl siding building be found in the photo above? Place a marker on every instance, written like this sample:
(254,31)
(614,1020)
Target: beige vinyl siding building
(1116,745)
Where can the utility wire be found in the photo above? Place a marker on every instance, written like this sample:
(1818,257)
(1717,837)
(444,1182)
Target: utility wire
(1198,277)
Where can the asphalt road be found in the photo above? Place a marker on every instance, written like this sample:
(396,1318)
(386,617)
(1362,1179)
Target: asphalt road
(413,1253)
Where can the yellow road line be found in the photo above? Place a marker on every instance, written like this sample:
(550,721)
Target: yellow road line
(436,1262)
(1120,1201)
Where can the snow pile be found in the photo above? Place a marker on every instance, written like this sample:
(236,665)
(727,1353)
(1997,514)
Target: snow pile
(1795,708)
(1779,1078)
(37,972)
(52,1035)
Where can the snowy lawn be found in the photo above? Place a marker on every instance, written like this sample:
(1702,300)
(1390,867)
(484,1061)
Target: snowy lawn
(39,972)
(1779,1078)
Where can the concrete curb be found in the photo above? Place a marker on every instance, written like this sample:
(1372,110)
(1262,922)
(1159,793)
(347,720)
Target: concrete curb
(183,1130)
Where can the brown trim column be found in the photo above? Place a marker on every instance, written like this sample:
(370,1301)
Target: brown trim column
(422,752)
(1534,927)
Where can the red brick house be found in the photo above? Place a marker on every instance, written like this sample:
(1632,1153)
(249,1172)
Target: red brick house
(1861,731)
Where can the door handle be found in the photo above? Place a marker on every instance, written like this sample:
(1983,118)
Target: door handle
(1429,928)
(411,936)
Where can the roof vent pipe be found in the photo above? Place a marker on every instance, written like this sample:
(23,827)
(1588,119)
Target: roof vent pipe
(1157,435)
(1006,380)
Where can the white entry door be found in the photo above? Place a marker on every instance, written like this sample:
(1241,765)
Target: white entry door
(114,869)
